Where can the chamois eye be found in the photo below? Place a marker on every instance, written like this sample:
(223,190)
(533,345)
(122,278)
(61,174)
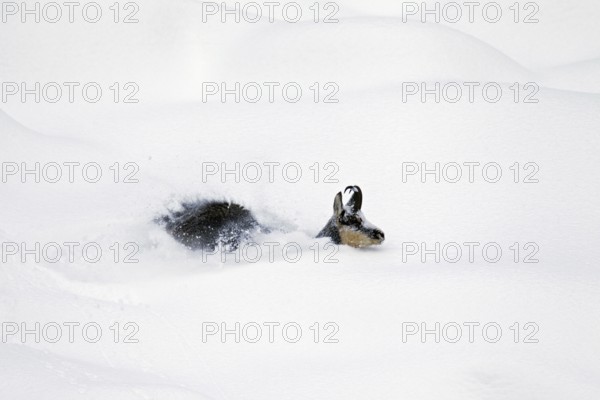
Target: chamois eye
(351,220)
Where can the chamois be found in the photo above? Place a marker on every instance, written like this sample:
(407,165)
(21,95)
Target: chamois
(208,224)
(348,224)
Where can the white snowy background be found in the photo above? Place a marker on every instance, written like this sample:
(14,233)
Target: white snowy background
(369,293)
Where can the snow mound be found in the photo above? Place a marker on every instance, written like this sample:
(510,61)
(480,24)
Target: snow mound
(351,54)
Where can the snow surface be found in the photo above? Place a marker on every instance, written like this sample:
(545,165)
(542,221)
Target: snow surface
(369,293)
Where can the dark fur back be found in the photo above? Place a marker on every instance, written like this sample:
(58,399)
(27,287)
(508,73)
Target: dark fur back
(331,231)
(208,224)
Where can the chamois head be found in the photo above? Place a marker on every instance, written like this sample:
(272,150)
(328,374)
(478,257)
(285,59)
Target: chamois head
(348,225)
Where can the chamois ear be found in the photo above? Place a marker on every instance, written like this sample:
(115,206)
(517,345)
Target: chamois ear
(338,206)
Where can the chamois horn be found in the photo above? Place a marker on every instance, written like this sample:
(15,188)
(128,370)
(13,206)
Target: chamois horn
(355,201)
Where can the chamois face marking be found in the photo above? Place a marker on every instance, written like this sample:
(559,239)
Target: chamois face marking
(348,224)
